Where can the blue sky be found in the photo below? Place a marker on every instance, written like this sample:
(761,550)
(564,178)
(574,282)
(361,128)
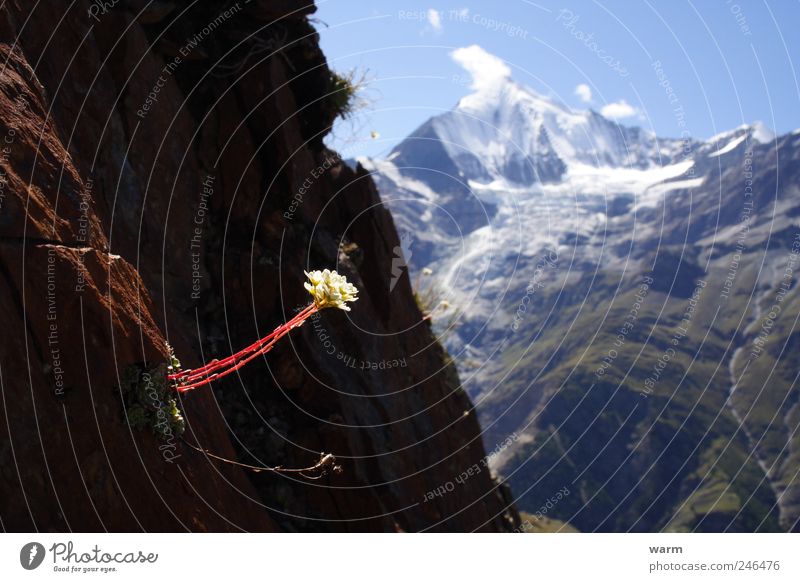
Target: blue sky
(725,62)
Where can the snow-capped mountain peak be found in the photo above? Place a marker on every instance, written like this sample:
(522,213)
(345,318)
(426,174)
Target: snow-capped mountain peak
(756,130)
(510,133)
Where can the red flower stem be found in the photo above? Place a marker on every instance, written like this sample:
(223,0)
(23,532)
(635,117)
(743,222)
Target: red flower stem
(217,364)
(205,375)
(232,360)
(206,370)
(262,349)
(209,379)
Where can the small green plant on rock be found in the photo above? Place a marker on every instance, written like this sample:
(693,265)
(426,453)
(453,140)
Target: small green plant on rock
(150,401)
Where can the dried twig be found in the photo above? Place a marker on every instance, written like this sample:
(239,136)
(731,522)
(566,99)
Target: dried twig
(326,464)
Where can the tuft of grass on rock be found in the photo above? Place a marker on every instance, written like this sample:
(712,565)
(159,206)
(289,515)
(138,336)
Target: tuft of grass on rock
(343,91)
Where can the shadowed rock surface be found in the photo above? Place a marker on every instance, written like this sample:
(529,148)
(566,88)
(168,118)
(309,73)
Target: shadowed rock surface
(151,192)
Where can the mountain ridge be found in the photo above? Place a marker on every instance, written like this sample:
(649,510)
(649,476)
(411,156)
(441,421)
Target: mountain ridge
(541,268)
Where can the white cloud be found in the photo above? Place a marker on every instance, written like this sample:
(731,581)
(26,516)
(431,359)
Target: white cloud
(486,69)
(619,110)
(435,19)
(584,92)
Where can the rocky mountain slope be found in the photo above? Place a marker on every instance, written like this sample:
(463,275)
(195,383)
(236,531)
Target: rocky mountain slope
(624,306)
(164,180)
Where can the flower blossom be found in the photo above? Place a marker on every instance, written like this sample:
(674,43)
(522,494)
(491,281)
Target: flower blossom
(330,289)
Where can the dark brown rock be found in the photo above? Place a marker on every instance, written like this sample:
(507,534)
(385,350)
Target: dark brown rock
(103,204)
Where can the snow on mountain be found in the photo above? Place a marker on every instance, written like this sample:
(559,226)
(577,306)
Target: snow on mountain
(729,147)
(509,174)
(759,132)
(509,132)
(727,141)
(527,168)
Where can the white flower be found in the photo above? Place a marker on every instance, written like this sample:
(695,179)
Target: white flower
(330,289)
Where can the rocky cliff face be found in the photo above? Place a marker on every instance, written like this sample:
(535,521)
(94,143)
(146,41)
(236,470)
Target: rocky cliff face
(164,180)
